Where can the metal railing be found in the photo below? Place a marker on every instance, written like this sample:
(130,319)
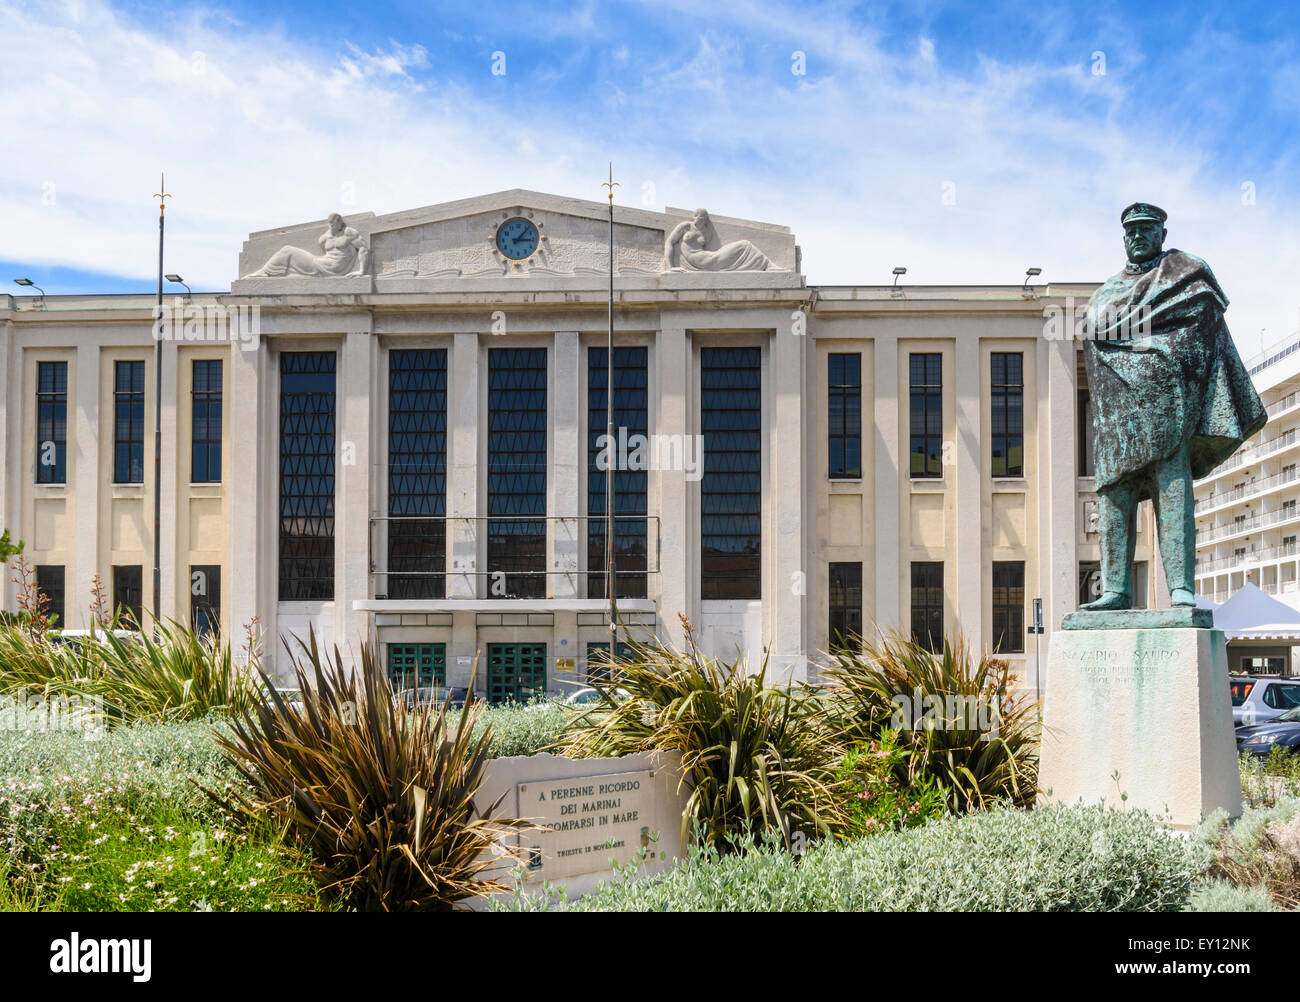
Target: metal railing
(1276,517)
(1285,404)
(1261,555)
(1260,451)
(509,556)
(1246,490)
(1273,355)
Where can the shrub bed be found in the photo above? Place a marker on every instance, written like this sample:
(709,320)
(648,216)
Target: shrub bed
(1054,858)
(118,824)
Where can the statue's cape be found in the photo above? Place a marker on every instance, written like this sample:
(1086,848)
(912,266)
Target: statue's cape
(1163,371)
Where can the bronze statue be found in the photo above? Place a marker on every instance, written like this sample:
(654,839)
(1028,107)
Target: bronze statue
(1171,401)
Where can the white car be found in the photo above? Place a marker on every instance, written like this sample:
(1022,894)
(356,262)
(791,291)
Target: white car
(591,697)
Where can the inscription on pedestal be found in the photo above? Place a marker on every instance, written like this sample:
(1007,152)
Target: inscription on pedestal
(592,819)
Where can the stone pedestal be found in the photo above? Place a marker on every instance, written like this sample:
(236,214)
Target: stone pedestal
(1151,704)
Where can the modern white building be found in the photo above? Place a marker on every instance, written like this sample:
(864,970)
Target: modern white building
(389,427)
(1248,510)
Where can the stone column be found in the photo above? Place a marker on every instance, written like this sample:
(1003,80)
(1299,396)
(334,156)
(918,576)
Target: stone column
(356,392)
(1058,487)
(786,606)
(969,592)
(253,498)
(564,478)
(890,480)
(679,569)
(84,481)
(463,466)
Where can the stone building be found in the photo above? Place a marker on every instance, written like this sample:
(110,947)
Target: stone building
(390,426)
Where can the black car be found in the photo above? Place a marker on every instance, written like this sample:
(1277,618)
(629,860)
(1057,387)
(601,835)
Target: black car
(1259,739)
(456,695)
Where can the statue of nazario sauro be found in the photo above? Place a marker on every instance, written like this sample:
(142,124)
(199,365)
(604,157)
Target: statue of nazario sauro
(1171,401)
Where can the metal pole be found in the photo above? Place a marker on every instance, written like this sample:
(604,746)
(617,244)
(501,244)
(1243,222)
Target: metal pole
(610,574)
(161,195)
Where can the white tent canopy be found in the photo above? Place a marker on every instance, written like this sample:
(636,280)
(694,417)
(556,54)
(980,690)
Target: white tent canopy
(1252,615)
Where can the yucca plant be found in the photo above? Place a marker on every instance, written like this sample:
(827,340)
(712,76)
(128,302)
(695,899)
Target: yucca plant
(955,713)
(754,755)
(171,672)
(167,672)
(384,800)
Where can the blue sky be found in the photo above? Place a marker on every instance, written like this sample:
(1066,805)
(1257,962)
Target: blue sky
(965,142)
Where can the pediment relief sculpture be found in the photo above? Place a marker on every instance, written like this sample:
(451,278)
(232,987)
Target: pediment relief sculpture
(693,245)
(344,254)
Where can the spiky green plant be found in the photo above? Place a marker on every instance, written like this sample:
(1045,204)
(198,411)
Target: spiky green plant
(754,755)
(386,801)
(167,672)
(963,726)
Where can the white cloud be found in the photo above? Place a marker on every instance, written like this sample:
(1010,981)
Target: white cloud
(257,130)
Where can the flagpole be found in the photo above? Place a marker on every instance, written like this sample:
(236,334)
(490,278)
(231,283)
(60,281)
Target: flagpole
(610,574)
(162,196)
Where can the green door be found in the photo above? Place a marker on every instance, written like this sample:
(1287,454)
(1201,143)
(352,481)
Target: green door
(417,665)
(516,672)
(598,658)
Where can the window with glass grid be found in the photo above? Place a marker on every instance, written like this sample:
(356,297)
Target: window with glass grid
(844,420)
(516,550)
(731,488)
(1007,403)
(307,403)
(631,417)
(51,422)
(49,579)
(846,605)
(1009,606)
(128,593)
(927,604)
(205,456)
(205,599)
(417,473)
(926,389)
(128,423)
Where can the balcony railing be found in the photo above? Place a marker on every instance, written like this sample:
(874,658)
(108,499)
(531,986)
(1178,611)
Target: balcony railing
(509,556)
(1259,556)
(1261,451)
(1277,517)
(1285,404)
(1245,491)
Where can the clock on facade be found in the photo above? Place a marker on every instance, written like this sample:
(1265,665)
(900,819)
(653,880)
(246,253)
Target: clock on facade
(517,238)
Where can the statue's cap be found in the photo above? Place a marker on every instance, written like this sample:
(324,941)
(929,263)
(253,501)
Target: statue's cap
(1141,211)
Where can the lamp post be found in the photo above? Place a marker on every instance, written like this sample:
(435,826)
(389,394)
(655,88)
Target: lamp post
(162,196)
(610,574)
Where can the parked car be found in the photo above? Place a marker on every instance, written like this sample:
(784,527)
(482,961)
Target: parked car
(1256,699)
(1259,739)
(591,697)
(76,639)
(458,695)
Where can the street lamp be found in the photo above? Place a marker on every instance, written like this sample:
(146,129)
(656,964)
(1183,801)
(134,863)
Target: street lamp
(895,290)
(1030,273)
(28,283)
(179,281)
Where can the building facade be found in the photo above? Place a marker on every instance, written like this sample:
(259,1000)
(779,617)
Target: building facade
(391,427)
(1248,510)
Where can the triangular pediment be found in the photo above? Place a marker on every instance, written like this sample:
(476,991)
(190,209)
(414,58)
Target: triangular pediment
(458,240)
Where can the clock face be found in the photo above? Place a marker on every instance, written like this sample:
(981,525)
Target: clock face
(517,238)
